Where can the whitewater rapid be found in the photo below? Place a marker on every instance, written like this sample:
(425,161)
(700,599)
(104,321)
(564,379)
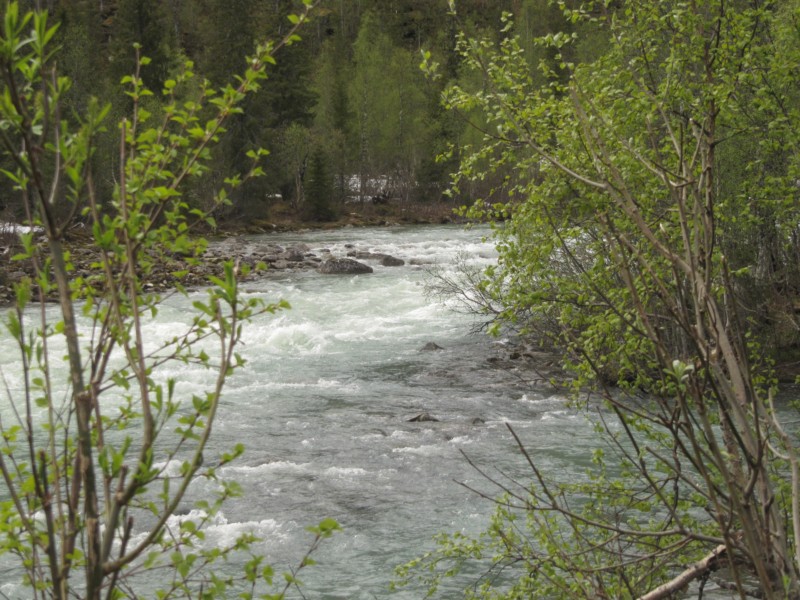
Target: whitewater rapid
(324,402)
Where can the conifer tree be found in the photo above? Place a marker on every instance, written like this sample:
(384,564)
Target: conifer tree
(319,189)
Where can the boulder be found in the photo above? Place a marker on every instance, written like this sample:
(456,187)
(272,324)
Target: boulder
(363,255)
(391,261)
(343,266)
(293,255)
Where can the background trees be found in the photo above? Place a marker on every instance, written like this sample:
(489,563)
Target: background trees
(390,124)
(354,84)
(643,158)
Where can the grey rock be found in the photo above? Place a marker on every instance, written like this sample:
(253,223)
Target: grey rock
(293,255)
(423,418)
(431,347)
(343,266)
(385,259)
(363,255)
(391,261)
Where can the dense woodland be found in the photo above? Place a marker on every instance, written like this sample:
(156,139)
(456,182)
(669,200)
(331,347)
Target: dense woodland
(346,114)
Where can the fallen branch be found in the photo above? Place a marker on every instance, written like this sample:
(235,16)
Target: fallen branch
(690,574)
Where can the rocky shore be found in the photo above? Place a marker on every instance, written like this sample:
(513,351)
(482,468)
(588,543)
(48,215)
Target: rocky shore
(170,271)
(231,245)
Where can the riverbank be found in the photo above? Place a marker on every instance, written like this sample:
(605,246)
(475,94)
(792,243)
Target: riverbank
(169,271)
(284,218)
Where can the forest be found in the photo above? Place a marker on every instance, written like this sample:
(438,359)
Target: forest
(347,115)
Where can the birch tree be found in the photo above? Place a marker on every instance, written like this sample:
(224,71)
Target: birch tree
(623,231)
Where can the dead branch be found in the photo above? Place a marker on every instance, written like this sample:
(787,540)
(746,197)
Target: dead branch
(702,566)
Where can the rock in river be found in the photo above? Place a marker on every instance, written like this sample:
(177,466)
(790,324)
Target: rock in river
(431,347)
(423,418)
(343,266)
(391,261)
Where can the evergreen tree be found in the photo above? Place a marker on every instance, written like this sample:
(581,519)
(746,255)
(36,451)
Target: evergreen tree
(332,114)
(319,189)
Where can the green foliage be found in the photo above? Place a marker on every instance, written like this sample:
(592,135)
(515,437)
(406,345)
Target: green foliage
(647,231)
(293,154)
(391,128)
(96,464)
(311,86)
(146,23)
(319,191)
(600,534)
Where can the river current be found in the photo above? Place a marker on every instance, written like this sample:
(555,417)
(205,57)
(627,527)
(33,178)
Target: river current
(324,404)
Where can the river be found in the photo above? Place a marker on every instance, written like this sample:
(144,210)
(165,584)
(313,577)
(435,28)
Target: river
(324,407)
(324,403)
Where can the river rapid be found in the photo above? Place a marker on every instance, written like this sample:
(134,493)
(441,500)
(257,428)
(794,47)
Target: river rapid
(324,406)
(324,403)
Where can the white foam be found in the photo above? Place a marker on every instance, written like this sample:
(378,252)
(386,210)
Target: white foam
(344,472)
(278,465)
(427,450)
(461,440)
(284,336)
(14,590)
(222,535)
(170,468)
(322,384)
(555,414)
(534,400)
(219,532)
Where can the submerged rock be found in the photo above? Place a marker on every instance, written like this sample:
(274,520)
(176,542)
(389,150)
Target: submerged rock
(431,347)
(362,254)
(423,418)
(387,260)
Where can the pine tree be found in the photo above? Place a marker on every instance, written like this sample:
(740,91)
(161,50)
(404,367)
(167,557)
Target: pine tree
(319,189)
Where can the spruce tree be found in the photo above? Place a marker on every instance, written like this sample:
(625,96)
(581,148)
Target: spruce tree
(319,190)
